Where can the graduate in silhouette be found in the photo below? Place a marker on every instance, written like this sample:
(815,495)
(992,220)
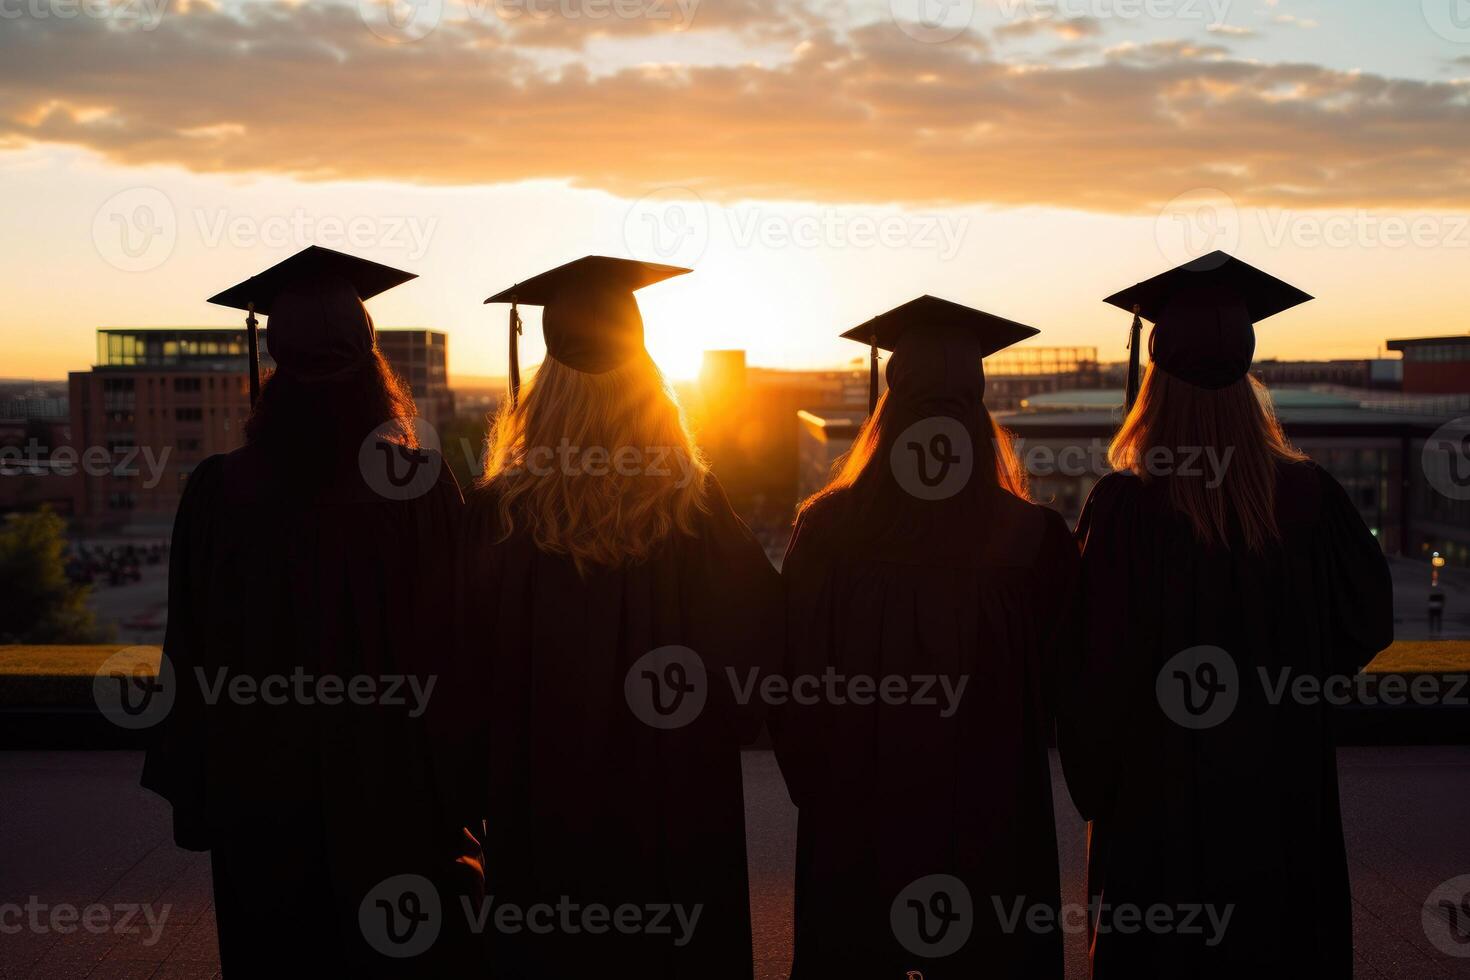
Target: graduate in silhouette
(934,595)
(1221,569)
(309,581)
(614,605)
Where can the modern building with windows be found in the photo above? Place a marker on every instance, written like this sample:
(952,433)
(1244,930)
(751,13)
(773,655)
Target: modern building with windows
(158,401)
(421,357)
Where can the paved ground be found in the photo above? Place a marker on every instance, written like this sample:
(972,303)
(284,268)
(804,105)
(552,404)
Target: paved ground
(75,828)
(137,610)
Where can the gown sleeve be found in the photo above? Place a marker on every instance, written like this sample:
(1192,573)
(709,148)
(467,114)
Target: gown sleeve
(1360,588)
(174,765)
(1062,636)
(1093,681)
(736,608)
(803,572)
(462,726)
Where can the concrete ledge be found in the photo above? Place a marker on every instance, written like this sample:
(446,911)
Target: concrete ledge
(46,699)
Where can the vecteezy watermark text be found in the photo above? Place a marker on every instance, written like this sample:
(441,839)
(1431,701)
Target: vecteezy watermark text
(1185,919)
(301,687)
(62,918)
(837,688)
(668,688)
(570,918)
(402,917)
(33,459)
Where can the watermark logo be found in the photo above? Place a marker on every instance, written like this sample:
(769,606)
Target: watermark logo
(1446,917)
(942,692)
(306,689)
(62,918)
(1450,19)
(145,15)
(667,688)
(933,916)
(838,228)
(1199,688)
(1207,922)
(569,917)
(1195,224)
(678,14)
(401,917)
(934,458)
(131,692)
(1211,12)
(932,21)
(670,225)
(409,235)
(395,470)
(136,230)
(33,459)
(399,21)
(1446,459)
(1363,688)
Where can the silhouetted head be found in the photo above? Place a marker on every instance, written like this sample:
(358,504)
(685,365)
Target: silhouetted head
(592,326)
(318,329)
(1205,336)
(938,371)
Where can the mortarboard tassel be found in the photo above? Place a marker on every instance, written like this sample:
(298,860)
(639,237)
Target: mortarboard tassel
(253,343)
(515,355)
(1135,337)
(873,376)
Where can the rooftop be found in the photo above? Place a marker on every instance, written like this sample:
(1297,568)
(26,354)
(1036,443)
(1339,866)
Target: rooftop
(1303,411)
(1456,340)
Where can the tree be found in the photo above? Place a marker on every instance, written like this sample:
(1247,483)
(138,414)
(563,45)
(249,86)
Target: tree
(38,603)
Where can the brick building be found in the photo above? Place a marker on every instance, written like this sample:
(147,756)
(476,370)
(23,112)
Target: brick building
(158,401)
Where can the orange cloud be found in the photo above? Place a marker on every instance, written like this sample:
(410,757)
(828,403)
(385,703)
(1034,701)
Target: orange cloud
(863,115)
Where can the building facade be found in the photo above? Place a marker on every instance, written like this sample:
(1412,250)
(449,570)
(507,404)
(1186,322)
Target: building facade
(421,357)
(1435,365)
(158,401)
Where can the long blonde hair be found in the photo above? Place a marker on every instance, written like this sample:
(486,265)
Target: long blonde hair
(996,457)
(598,467)
(1175,418)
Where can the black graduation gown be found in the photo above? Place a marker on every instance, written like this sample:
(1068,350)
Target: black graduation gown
(975,589)
(589,806)
(308,806)
(1243,814)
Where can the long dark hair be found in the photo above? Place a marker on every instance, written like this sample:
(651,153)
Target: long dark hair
(318,426)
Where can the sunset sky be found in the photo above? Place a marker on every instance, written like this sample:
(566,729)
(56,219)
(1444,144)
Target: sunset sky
(817,163)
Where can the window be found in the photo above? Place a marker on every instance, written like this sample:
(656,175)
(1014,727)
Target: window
(189,414)
(187,385)
(119,394)
(190,445)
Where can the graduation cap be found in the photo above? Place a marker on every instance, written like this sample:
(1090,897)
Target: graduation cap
(1204,314)
(307,293)
(591,320)
(959,334)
